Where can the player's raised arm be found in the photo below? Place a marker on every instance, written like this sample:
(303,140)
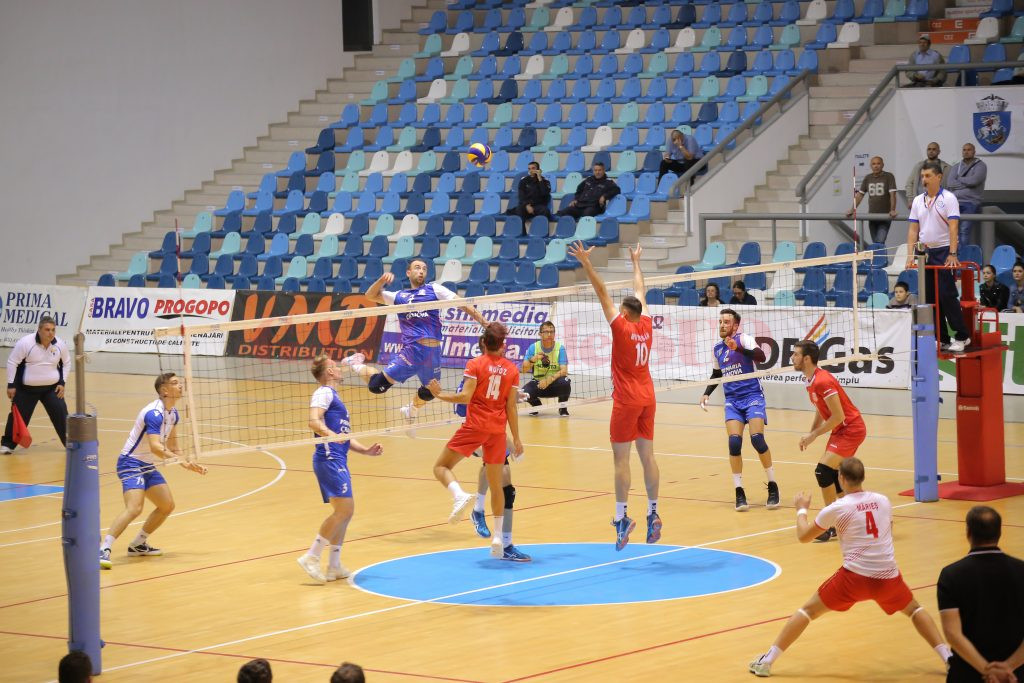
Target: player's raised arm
(476,315)
(582,254)
(373,292)
(462,396)
(639,288)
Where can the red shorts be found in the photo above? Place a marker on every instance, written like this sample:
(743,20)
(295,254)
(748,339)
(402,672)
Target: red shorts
(845,588)
(845,440)
(629,422)
(467,440)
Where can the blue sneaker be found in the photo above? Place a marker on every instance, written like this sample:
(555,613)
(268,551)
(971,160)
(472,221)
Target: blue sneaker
(514,554)
(653,528)
(480,524)
(623,528)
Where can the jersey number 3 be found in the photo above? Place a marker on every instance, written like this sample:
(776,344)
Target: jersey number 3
(493,387)
(869,524)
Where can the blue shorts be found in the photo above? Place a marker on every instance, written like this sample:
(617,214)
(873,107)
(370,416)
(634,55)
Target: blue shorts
(416,360)
(746,408)
(333,477)
(137,474)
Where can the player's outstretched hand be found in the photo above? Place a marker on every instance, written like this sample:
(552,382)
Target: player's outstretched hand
(802,500)
(579,252)
(435,387)
(634,254)
(704,402)
(375,449)
(194,466)
(806,440)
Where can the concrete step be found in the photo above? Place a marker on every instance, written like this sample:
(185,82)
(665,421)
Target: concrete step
(316,108)
(402,38)
(875,66)
(761,233)
(825,131)
(804,156)
(850,90)
(894,52)
(301,134)
(832,117)
(367,61)
(787,168)
(756,206)
(850,79)
(777,181)
(316,122)
(768,194)
(836,103)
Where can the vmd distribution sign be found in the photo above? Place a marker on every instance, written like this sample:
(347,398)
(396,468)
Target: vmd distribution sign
(21,307)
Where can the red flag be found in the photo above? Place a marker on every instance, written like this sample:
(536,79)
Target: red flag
(19,431)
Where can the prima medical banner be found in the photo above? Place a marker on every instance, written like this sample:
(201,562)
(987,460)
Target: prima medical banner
(21,307)
(685,336)
(122,319)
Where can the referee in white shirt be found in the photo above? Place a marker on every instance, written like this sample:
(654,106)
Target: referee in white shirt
(934,219)
(35,372)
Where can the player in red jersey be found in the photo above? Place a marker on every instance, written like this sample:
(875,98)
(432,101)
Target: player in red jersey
(836,416)
(491,390)
(633,402)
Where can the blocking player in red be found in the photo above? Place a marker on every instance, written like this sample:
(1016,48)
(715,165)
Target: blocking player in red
(490,390)
(869,570)
(633,403)
(836,416)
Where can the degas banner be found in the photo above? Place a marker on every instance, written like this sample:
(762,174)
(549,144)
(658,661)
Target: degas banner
(21,307)
(1011,327)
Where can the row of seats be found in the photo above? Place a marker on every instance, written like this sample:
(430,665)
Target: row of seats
(784,297)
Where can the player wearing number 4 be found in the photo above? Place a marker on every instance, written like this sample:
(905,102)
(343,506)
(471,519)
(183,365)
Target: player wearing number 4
(836,416)
(490,389)
(744,402)
(869,570)
(633,402)
(328,416)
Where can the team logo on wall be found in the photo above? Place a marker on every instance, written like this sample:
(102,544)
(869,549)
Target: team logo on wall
(992,122)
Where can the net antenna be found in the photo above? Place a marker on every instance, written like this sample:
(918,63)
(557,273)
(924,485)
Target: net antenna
(259,400)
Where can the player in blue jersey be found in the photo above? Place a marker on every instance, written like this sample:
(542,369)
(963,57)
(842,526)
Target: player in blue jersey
(328,416)
(736,354)
(421,336)
(154,435)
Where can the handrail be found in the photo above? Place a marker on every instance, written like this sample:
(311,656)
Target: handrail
(876,94)
(748,124)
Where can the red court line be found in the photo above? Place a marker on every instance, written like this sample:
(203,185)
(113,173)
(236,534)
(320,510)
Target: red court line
(246,657)
(278,554)
(659,646)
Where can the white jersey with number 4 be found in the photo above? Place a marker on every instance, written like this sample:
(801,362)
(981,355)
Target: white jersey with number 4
(863,521)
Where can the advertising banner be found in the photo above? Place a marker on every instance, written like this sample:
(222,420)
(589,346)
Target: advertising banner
(685,336)
(122,319)
(21,306)
(336,338)
(1011,325)
(461,333)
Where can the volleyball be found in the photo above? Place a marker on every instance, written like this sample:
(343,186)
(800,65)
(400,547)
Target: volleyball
(479,154)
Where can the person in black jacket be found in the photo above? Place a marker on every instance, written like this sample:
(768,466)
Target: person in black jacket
(994,294)
(592,195)
(534,195)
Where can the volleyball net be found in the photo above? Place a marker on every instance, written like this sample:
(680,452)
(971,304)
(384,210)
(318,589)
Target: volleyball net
(257,395)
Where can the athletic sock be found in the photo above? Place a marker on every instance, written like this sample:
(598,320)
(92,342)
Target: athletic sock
(944,651)
(318,546)
(107,542)
(498,524)
(335,557)
(455,490)
(737,480)
(652,506)
(772,654)
(141,538)
(481,500)
(506,539)
(770,473)
(620,510)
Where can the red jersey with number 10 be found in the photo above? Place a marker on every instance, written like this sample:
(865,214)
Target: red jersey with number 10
(495,377)
(631,353)
(824,384)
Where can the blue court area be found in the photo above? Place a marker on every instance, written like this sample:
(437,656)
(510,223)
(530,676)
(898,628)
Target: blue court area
(565,574)
(10,490)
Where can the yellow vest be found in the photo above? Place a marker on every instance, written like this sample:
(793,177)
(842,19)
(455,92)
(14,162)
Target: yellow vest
(538,368)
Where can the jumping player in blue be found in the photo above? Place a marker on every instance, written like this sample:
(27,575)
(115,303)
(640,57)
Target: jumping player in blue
(328,416)
(736,354)
(421,336)
(154,435)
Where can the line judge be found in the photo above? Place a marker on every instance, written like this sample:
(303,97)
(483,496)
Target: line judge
(35,372)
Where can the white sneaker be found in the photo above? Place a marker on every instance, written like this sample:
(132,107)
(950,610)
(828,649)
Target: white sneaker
(5,450)
(311,566)
(497,549)
(335,573)
(761,668)
(462,503)
(958,346)
(355,359)
(409,412)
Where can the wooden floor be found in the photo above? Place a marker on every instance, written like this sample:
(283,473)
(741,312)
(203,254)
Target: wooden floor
(228,588)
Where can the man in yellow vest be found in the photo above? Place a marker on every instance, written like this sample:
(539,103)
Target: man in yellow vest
(548,362)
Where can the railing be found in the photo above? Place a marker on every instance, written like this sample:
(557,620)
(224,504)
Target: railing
(842,144)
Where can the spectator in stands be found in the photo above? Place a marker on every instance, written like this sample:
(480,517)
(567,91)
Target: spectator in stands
(681,152)
(348,673)
(994,294)
(1015,298)
(741,296)
(549,363)
(74,667)
(925,55)
(913,186)
(880,187)
(255,671)
(966,180)
(901,296)
(981,603)
(534,195)
(592,195)
(35,372)
(711,296)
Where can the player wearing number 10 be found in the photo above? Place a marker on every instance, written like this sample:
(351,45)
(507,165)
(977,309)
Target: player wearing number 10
(869,570)
(633,402)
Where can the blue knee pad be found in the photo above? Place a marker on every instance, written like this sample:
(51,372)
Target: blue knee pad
(758,442)
(378,384)
(735,444)
(510,495)
(424,393)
